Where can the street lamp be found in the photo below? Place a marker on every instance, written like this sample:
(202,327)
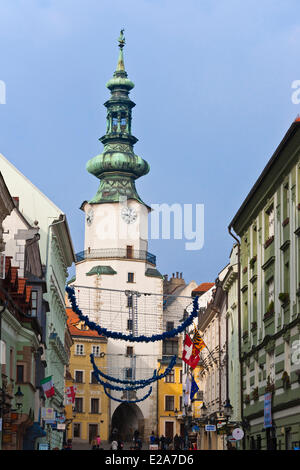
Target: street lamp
(19,398)
(204,411)
(228,410)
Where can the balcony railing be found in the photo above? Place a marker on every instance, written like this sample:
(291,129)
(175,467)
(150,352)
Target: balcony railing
(120,253)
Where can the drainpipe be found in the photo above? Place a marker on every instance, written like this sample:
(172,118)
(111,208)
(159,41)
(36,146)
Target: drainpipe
(239,322)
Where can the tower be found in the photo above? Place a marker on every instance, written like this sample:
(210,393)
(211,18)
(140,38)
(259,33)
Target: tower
(115,264)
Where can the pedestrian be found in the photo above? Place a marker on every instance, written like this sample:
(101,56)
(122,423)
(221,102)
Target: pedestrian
(114,445)
(162,442)
(176,442)
(115,434)
(94,443)
(139,443)
(152,438)
(135,436)
(98,441)
(120,445)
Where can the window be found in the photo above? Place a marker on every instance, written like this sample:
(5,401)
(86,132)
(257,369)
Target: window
(129,301)
(169,403)
(96,351)
(114,123)
(78,405)
(129,351)
(79,350)
(129,251)
(79,376)
(271,291)
(76,430)
(170,347)
(271,222)
(93,379)
(170,325)
(180,376)
(130,277)
(20,373)
(170,378)
(180,403)
(128,373)
(34,296)
(129,324)
(95,405)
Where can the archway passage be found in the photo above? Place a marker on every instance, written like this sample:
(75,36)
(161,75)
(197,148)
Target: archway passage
(128,418)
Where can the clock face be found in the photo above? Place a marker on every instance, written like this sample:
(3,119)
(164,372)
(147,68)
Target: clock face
(89,217)
(129,215)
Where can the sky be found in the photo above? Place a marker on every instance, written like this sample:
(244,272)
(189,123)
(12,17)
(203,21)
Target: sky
(213,93)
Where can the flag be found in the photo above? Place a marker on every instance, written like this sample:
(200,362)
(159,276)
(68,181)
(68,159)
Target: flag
(187,390)
(70,393)
(194,388)
(198,341)
(48,387)
(190,355)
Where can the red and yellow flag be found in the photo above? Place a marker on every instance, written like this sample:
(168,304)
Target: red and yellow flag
(198,341)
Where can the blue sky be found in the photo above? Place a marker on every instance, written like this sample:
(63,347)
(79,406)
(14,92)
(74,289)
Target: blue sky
(213,93)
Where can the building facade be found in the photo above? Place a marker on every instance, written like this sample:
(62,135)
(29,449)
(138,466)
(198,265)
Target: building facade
(89,414)
(57,254)
(268,224)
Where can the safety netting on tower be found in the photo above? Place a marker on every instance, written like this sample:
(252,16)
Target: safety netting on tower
(140,316)
(135,317)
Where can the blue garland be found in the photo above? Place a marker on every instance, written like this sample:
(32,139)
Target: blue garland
(154,378)
(131,338)
(128,401)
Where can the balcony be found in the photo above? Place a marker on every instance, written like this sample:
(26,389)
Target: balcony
(116,253)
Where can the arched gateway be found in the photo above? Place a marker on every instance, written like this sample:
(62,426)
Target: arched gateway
(128,418)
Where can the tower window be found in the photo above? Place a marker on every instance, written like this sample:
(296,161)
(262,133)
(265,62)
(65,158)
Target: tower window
(129,324)
(114,124)
(123,123)
(130,277)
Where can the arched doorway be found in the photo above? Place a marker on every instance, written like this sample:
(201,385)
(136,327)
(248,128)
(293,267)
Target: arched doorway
(128,418)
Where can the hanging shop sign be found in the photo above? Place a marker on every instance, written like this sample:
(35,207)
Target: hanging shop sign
(210,427)
(238,434)
(60,426)
(43,446)
(48,414)
(268,410)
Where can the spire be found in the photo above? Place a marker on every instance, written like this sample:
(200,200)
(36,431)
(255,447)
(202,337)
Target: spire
(121,66)
(118,167)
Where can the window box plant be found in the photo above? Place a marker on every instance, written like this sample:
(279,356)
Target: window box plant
(285,222)
(286,380)
(284,298)
(269,241)
(252,261)
(270,387)
(247,399)
(255,394)
(270,311)
(254,326)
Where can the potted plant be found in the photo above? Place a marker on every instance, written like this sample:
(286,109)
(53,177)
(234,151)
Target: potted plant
(286,380)
(270,387)
(247,399)
(269,241)
(253,326)
(255,394)
(284,298)
(252,261)
(270,310)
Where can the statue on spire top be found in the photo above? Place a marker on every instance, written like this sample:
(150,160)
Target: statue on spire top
(121,39)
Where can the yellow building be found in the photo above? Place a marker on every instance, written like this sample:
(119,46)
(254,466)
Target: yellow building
(170,403)
(90,414)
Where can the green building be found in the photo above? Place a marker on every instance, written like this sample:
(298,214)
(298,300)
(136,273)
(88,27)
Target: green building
(268,224)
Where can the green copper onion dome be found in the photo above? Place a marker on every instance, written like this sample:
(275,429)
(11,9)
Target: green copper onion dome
(118,167)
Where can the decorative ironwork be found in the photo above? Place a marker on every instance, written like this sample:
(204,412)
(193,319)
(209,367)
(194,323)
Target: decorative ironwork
(116,253)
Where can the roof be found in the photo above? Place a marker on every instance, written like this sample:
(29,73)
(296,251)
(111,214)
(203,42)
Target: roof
(73,320)
(204,287)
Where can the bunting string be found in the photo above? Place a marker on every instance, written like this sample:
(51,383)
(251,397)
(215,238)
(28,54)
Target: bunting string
(128,401)
(118,335)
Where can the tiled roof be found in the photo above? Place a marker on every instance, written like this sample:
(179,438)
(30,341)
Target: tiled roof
(73,320)
(204,287)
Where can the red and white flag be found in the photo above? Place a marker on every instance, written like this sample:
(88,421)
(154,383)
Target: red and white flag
(70,393)
(190,354)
